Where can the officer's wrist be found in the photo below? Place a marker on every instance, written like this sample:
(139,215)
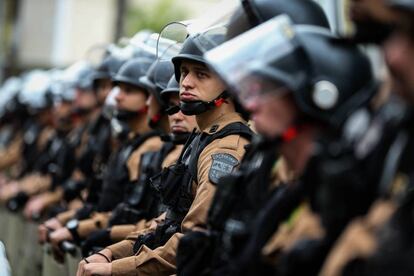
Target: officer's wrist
(72,226)
(107,252)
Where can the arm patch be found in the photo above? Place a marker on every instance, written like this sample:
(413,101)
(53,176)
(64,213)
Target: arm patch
(223,164)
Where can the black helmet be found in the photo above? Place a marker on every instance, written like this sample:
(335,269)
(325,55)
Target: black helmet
(305,63)
(132,71)
(404,5)
(194,48)
(173,87)
(156,79)
(254,12)
(334,91)
(107,69)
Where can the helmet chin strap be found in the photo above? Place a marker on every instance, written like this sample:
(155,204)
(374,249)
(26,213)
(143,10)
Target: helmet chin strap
(125,115)
(198,107)
(153,121)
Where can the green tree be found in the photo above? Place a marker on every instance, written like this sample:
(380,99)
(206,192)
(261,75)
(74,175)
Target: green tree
(153,17)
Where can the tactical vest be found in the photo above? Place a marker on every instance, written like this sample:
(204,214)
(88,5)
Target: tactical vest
(30,151)
(141,201)
(116,177)
(97,150)
(174,184)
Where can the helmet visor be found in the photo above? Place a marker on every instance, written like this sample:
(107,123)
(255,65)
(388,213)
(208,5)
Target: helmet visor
(259,61)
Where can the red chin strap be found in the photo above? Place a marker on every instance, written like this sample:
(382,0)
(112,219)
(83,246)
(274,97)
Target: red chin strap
(156,118)
(290,134)
(143,110)
(220,101)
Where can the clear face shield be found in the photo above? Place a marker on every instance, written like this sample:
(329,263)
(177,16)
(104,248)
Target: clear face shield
(260,61)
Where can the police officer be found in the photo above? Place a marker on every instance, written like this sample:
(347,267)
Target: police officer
(260,158)
(299,113)
(377,243)
(200,165)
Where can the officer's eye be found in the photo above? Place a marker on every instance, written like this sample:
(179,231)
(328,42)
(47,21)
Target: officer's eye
(201,75)
(184,71)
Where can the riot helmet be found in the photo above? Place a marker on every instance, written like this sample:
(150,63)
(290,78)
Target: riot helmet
(107,69)
(254,12)
(130,73)
(301,60)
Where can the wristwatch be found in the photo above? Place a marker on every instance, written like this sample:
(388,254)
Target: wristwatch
(72,226)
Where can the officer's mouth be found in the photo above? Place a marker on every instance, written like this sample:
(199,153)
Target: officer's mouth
(178,129)
(187,97)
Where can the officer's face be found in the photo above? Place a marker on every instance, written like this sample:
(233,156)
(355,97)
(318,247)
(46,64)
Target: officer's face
(85,99)
(399,54)
(61,113)
(130,98)
(179,122)
(197,82)
(103,88)
(272,113)
(154,107)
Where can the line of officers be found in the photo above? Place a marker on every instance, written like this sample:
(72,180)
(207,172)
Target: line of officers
(148,165)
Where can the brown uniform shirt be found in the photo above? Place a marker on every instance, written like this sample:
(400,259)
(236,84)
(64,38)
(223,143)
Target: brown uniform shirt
(161,261)
(11,154)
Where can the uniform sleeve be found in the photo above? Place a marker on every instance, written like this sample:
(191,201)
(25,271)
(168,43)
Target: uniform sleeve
(359,238)
(10,155)
(87,226)
(161,261)
(35,183)
(120,232)
(64,217)
(125,248)
(50,198)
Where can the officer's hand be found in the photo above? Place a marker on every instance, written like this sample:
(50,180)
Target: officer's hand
(35,206)
(53,223)
(8,191)
(60,235)
(97,269)
(94,259)
(42,233)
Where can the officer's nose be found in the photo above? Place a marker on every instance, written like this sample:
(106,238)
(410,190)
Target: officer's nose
(251,104)
(395,52)
(119,96)
(187,82)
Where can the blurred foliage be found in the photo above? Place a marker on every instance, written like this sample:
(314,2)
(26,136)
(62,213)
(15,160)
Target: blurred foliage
(153,17)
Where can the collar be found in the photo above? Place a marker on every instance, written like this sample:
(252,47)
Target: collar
(219,123)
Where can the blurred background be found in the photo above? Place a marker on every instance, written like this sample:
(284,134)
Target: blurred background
(55,33)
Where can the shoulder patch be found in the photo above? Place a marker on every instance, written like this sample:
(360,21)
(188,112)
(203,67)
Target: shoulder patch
(223,164)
